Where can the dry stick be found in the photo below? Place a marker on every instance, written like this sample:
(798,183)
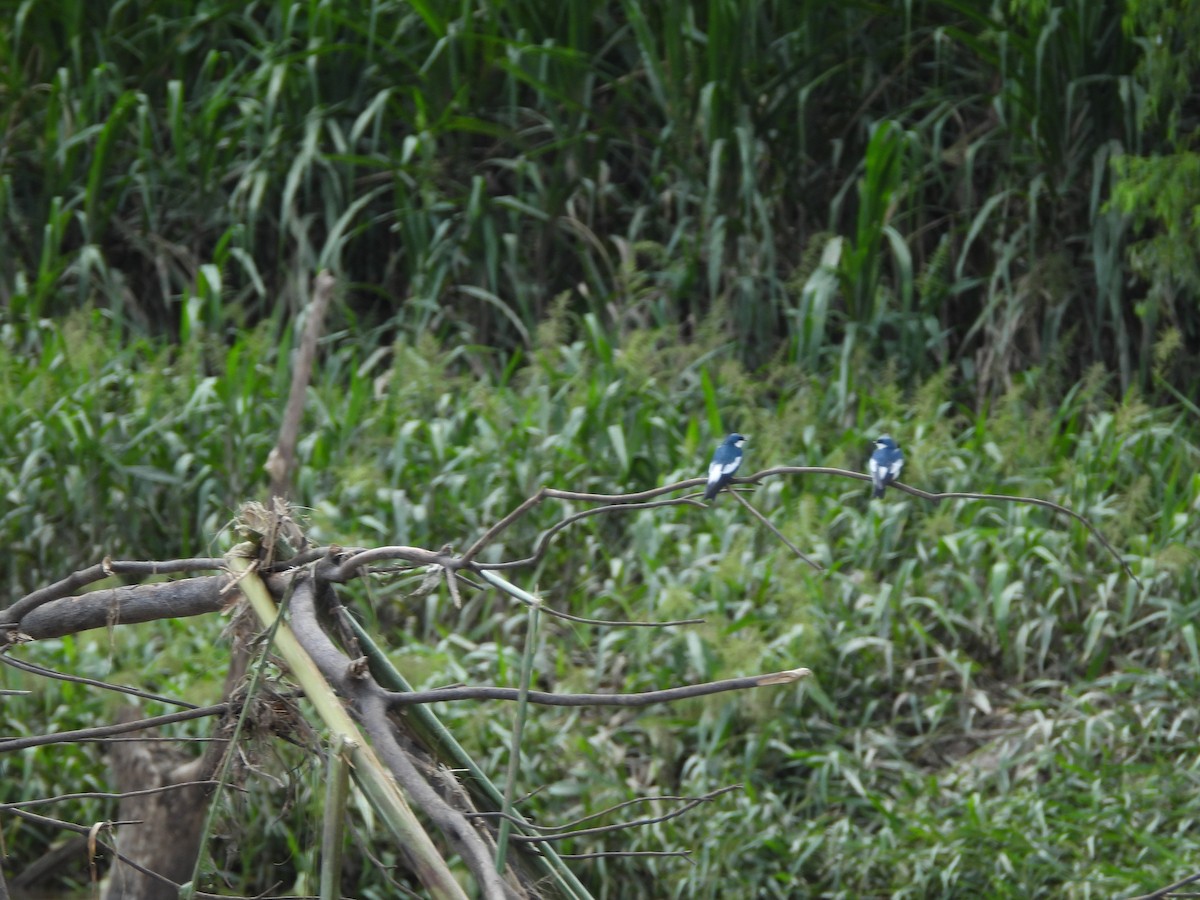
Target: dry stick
(101,570)
(1033,501)
(606,829)
(543,543)
(490,534)
(1170,888)
(282,457)
(779,534)
(418,556)
(88,832)
(90,682)
(529,600)
(561,832)
(603,854)
(935,497)
(645,698)
(86,734)
(102,795)
(660,798)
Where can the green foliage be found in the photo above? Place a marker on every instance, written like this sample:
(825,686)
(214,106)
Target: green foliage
(996,708)
(463,167)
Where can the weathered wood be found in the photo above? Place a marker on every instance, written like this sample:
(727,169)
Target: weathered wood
(168,839)
(125,606)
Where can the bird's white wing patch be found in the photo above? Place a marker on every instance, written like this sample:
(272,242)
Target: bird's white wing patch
(894,468)
(715,471)
(872,467)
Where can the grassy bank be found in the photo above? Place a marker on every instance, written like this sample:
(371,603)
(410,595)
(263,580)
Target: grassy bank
(996,707)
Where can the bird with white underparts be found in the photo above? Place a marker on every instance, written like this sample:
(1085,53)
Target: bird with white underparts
(725,462)
(885,464)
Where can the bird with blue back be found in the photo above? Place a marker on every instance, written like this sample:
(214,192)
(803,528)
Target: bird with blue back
(885,465)
(724,464)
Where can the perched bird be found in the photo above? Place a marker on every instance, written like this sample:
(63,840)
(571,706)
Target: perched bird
(724,463)
(885,465)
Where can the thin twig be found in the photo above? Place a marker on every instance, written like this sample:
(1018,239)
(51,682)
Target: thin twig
(543,543)
(779,534)
(490,535)
(561,832)
(104,795)
(1170,888)
(349,568)
(605,854)
(529,600)
(645,698)
(628,500)
(35,669)
(86,734)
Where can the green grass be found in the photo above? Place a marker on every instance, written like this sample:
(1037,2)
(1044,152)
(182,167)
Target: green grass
(969,181)
(996,708)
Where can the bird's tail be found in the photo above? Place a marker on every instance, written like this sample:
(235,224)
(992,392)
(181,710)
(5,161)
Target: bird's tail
(877,490)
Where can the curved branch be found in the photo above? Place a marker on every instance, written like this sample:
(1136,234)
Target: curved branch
(418,556)
(372,703)
(544,541)
(645,698)
(626,501)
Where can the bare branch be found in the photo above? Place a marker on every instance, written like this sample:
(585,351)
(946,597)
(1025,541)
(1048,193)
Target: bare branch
(1169,889)
(372,703)
(105,569)
(491,533)
(282,457)
(779,534)
(628,501)
(349,568)
(563,832)
(125,605)
(87,734)
(529,600)
(606,854)
(35,669)
(645,698)
(106,795)
(544,541)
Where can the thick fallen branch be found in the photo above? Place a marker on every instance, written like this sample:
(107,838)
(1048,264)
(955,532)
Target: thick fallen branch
(104,569)
(124,606)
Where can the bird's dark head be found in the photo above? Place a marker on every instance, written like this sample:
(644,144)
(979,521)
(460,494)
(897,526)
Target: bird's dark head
(885,442)
(735,439)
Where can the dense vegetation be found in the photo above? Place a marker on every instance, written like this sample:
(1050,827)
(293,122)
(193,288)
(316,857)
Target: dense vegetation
(582,240)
